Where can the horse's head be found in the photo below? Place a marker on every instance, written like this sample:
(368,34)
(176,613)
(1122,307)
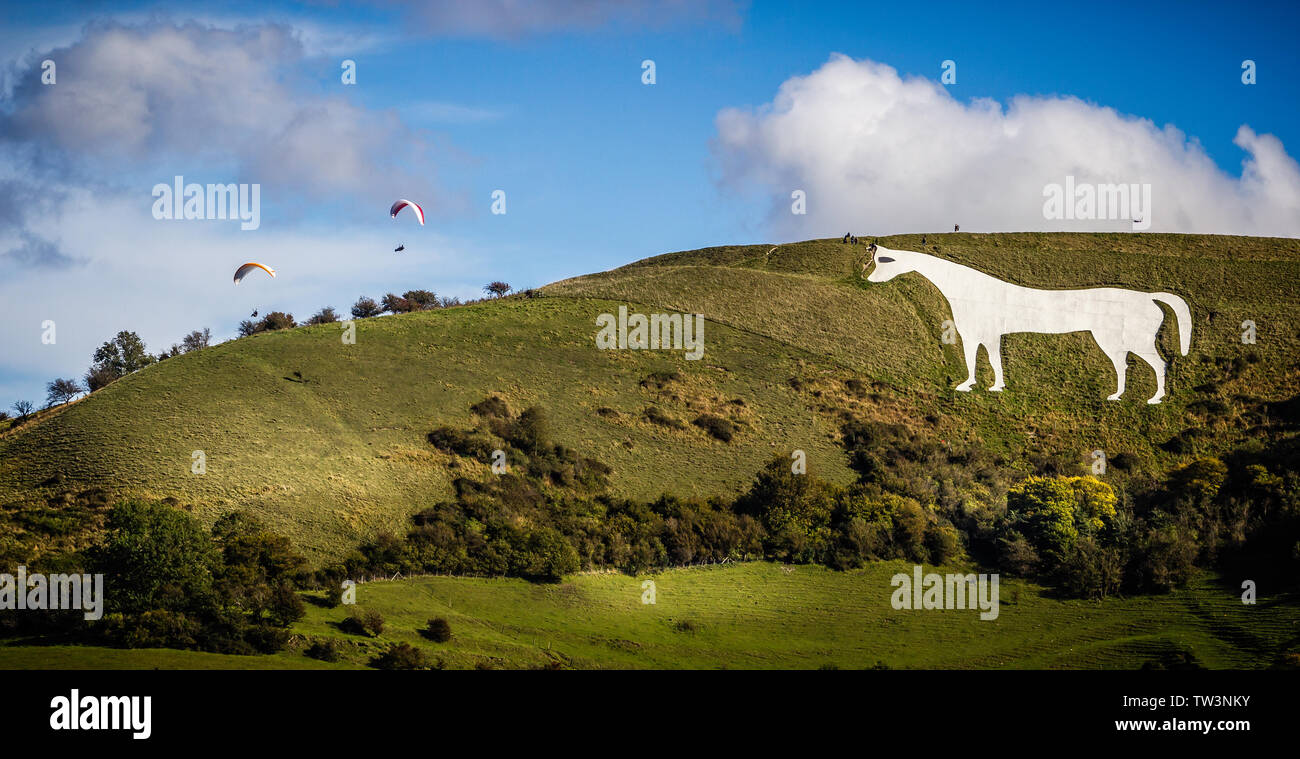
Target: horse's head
(887,264)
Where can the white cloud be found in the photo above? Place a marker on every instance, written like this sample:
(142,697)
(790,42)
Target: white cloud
(513,19)
(165,94)
(880,154)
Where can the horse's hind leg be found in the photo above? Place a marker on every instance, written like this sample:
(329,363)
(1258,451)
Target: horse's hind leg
(1152,357)
(995,358)
(1118,357)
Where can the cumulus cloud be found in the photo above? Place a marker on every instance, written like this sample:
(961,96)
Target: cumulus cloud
(513,19)
(192,92)
(878,153)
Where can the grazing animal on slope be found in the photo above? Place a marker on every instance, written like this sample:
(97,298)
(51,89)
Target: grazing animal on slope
(984,308)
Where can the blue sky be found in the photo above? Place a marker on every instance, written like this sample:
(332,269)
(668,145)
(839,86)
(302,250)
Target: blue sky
(598,168)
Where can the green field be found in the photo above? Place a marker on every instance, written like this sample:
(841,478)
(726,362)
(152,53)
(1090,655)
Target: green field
(756,616)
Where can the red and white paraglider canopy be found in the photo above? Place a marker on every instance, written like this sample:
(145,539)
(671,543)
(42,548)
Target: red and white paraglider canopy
(399,205)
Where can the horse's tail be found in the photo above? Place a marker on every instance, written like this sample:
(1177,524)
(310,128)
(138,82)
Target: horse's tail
(1184,316)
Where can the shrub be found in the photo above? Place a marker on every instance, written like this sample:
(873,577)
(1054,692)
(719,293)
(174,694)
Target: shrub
(438,631)
(942,543)
(324,649)
(277,320)
(1053,512)
(657,415)
(491,407)
(324,316)
(421,300)
(365,308)
(196,340)
(451,440)
(366,622)
(716,426)
(401,656)
(397,305)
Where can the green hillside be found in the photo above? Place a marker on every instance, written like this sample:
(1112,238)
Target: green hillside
(326,441)
(753,616)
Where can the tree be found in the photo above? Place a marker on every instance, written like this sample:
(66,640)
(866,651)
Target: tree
(277,320)
(423,300)
(496,289)
(24,409)
(118,357)
(395,305)
(60,391)
(98,377)
(324,316)
(1054,512)
(365,308)
(155,557)
(196,340)
(438,631)
(269,323)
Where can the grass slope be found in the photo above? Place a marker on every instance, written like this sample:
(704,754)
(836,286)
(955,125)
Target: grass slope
(756,616)
(336,457)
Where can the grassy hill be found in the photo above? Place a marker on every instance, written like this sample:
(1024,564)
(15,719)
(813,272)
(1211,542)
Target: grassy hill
(754,616)
(326,441)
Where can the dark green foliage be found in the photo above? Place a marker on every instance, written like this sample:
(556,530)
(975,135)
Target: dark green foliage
(324,649)
(170,583)
(492,407)
(324,316)
(438,630)
(365,308)
(716,426)
(367,622)
(273,321)
(421,300)
(401,656)
(658,416)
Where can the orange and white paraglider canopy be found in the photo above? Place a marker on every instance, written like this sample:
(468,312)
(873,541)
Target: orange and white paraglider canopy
(243,271)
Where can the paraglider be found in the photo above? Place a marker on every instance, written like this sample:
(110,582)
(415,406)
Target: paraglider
(399,205)
(254,314)
(400,248)
(244,270)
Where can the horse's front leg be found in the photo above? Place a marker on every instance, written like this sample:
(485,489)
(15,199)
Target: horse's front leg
(971,348)
(994,347)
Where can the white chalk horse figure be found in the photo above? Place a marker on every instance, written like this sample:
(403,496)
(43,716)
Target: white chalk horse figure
(984,308)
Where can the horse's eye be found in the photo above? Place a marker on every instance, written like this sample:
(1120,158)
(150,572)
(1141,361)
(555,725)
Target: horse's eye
(884,260)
